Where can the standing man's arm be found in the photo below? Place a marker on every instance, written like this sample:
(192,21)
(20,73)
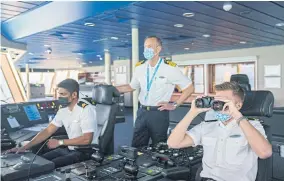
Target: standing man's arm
(134,85)
(177,78)
(124,88)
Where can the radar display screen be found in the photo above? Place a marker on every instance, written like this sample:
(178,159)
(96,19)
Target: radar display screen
(32,112)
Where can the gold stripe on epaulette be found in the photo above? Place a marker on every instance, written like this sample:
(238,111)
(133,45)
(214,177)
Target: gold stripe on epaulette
(170,63)
(139,63)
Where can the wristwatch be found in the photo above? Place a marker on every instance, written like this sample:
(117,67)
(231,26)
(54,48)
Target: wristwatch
(61,142)
(175,104)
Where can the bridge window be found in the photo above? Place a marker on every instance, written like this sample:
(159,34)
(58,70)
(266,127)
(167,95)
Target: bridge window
(220,73)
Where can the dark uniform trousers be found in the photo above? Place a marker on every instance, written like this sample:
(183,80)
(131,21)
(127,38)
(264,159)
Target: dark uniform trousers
(207,179)
(150,123)
(63,156)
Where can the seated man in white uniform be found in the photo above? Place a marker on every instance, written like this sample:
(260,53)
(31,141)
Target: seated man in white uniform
(231,145)
(79,122)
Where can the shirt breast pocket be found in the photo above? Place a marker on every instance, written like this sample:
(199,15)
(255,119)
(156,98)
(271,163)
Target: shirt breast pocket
(76,127)
(236,150)
(161,81)
(209,145)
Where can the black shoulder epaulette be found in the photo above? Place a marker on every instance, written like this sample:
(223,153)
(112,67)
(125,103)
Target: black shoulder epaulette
(140,63)
(82,104)
(170,63)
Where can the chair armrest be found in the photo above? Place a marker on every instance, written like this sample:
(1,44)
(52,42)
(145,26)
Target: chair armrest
(60,137)
(87,148)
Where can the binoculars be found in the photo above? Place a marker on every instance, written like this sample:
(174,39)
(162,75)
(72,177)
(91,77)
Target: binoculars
(209,102)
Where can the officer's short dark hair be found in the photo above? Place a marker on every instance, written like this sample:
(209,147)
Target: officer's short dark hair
(70,85)
(234,86)
(159,41)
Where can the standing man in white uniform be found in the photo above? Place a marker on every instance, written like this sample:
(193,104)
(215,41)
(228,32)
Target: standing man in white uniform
(156,79)
(231,145)
(79,121)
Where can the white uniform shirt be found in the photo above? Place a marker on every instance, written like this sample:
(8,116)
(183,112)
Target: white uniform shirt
(227,154)
(164,82)
(77,122)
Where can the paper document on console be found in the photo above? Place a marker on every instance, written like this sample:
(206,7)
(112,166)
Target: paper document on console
(13,122)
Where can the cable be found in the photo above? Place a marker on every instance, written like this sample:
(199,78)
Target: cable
(35,158)
(4,101)
(84,94)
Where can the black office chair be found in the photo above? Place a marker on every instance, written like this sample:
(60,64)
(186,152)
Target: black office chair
(257,104)
(106,110)
(242,80)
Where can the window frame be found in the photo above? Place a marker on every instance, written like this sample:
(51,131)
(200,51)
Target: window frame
(192,74)
(211,71)
(228,60)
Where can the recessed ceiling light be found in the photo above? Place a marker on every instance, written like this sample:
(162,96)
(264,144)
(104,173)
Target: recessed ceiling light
(30,53)
(46,45)
(186,48)
(83,63)
(128,34)
(79,53)
(188,15)
(114,38)
(90,24)
(90,62)
(279,24)
(106,50)
(101,58)
(243,42)
(178,25)
(206,36)
(98,55)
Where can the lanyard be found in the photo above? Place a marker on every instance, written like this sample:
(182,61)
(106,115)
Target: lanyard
(149,82)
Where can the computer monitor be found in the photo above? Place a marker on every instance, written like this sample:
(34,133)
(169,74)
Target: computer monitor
(32,112)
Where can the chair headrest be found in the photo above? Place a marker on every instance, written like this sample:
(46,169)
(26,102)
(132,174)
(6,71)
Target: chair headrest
(104,94)
(258,103)
(246,87)
(240,78)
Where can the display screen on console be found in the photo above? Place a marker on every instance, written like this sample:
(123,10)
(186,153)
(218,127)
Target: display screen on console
(32,112)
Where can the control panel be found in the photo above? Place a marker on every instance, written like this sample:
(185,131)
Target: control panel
(15,167)
(146,164)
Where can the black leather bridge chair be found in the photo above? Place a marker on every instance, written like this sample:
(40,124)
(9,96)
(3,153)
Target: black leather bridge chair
(257,104)
(242,80)
(106,109)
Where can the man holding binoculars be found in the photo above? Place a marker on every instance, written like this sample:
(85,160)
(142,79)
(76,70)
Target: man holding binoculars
(232,144)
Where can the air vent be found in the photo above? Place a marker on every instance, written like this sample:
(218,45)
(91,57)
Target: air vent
(115,18)
(61,34)
(178,38)
(37,58)
(125,45)
(82,52)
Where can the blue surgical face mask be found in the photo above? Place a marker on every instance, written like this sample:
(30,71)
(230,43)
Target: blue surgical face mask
(222,117)
(149,53)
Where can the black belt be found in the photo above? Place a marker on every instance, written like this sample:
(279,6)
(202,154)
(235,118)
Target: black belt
(150,108)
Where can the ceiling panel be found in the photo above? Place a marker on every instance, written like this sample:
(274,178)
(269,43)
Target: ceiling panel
(19,4)
(252,23)
(15,8)
(266,7)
